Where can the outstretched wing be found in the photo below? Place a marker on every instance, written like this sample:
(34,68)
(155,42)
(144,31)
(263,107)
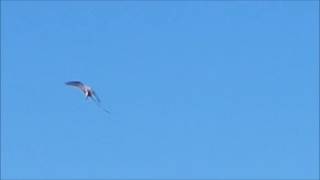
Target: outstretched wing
(96,96)
(75,83)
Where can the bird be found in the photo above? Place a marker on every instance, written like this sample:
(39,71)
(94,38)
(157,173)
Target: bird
(88,91)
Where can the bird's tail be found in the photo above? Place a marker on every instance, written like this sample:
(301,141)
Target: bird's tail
(100,106)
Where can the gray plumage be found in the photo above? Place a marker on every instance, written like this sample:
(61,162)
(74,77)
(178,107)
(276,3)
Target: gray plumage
(88,91)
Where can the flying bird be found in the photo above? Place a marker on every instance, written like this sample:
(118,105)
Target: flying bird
(88,91)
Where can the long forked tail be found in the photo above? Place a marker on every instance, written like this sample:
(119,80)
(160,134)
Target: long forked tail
(98,103)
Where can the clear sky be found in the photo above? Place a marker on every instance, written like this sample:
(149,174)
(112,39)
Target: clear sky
(205,89)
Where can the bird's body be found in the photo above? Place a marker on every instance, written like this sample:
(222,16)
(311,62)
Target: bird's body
(87,90)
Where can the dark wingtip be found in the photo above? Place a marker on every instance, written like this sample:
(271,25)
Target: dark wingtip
(67,83)
(73,82)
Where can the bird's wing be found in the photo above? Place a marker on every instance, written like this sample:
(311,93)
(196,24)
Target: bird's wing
(77,84)
(96,96)
(74,83)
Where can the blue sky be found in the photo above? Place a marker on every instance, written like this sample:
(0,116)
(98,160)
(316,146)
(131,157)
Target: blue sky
(195,89)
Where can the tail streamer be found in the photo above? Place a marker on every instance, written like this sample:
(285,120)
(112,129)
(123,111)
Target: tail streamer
(101,107)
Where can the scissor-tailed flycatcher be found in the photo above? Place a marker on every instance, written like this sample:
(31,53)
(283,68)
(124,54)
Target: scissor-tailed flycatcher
(87,90)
